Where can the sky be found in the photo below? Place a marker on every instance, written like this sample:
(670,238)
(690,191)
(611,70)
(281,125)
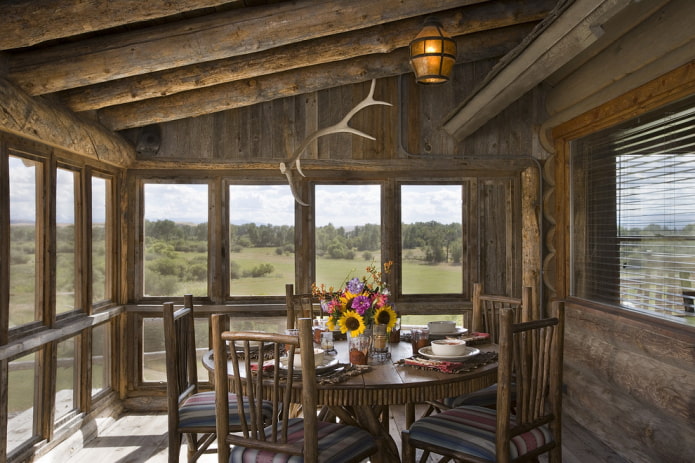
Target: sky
(341,205)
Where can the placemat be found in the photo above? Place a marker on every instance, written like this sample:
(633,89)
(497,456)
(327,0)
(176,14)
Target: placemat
(478,361)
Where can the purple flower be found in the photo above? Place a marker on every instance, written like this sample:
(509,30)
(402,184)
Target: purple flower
(361,303)
(355,286)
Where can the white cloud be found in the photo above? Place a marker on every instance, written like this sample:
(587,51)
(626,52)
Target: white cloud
(424,203)
(177,202)
(22,190)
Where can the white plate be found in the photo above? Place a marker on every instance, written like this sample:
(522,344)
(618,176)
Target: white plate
(427,353)
(328,364)
(458,331)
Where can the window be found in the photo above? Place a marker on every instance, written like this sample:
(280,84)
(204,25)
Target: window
(65,241)
(101,240)
(101,358)
(261,239)
(348,231)
(153,352)
(176,239)
(633,213)
(431,239)
(66,380)
(20,401)
(25,178)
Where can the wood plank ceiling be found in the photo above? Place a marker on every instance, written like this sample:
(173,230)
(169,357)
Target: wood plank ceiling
(131,63)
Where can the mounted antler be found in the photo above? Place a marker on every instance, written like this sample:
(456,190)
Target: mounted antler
(342,126)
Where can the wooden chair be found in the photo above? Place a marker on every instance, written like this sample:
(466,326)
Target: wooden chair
(485,318)
(486,309)
(299,306)
(284,439)
(191,412)
(532,353)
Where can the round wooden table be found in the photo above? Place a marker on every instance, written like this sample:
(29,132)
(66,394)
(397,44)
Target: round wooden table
(364,399)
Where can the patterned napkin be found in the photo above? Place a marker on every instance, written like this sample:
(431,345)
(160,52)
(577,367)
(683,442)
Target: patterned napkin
(475,338)
(444,366)
(341,372)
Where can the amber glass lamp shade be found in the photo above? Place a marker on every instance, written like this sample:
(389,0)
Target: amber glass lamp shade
(432,54)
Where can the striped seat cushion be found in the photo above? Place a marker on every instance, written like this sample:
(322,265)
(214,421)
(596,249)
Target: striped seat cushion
(471,430)
(486,397)
(338,443)
(199,411)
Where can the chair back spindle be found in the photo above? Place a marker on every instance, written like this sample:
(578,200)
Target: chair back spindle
(487,307)
(299,306)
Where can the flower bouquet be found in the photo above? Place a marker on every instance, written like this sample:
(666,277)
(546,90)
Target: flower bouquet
(361,303)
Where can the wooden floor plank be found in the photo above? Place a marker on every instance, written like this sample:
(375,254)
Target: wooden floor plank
(140,438)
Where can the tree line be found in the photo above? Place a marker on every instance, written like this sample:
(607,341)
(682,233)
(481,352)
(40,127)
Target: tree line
(440,242)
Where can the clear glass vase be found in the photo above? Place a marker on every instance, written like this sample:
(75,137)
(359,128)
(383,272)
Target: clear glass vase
(358,349)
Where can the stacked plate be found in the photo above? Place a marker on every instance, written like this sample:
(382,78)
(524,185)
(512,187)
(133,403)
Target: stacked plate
(470,352)
(442,329)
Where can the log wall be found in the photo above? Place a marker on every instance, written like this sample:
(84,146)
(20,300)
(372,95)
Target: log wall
(631,383)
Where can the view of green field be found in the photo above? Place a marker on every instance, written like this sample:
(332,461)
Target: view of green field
(261,262)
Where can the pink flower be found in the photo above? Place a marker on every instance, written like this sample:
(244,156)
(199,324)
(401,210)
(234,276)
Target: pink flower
(381,300)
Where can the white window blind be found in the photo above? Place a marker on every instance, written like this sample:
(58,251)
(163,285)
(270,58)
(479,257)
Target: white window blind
(633,213)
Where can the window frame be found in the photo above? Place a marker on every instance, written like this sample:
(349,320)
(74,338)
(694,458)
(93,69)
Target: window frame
(603,283)
(79,251)
(476,185)
(110,244)
(41,337)
(668,88)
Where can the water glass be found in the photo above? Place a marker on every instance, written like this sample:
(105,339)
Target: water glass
(420,339)
(327,341)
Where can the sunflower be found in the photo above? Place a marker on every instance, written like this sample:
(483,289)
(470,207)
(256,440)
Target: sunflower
(345,299)
(385,316)
(351,321)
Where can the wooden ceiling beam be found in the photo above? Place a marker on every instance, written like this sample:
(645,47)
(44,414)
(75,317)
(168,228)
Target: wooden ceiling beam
(212,37)
(473,47)
(378,39)
(51,124)
(30,22)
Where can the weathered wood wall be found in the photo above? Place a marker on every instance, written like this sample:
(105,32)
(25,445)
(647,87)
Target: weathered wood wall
(267,132)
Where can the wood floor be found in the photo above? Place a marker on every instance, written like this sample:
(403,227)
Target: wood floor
(136,438)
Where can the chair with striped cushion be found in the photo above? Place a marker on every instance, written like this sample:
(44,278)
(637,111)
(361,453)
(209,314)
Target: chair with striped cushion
(191,412)
(533,351)
(284,439)
(485,318)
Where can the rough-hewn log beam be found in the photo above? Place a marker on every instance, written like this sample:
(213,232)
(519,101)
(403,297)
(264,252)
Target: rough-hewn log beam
(212,37)
(577,28)
(38,120)
(28,22)
(474,47)
(378,39)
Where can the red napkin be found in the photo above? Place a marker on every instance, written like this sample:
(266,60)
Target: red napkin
(268,365)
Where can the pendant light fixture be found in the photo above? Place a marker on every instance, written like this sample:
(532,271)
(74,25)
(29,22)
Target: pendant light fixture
(432,54)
